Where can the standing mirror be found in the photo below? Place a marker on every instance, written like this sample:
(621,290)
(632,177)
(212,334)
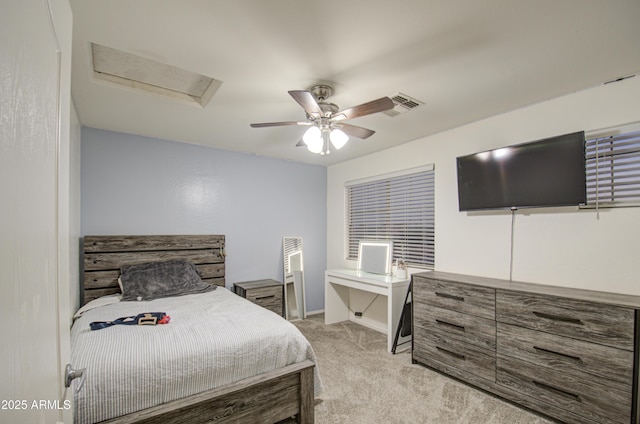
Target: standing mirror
(293,278)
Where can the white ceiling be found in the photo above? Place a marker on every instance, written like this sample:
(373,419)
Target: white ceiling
(466,59)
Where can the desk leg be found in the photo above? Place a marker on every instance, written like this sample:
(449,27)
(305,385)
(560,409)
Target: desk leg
(336,303)
(395,305)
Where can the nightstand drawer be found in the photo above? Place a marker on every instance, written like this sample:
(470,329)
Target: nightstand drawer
(268,297)
(466,328)
(266,293)
(594,322)
(461,297)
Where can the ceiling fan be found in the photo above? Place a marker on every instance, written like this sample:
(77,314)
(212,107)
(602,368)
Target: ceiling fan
(325,120)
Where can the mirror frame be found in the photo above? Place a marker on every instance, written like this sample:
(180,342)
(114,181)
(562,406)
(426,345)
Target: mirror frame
(374,256)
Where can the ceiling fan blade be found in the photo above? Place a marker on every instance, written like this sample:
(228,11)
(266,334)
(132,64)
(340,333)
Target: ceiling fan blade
(277,124)
(374,106)
(307,101)
(357,132)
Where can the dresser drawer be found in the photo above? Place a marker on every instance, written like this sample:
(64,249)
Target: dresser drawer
(595,322)
(432,348)
(547,386)
(598,364)
(461,297)
(466,328)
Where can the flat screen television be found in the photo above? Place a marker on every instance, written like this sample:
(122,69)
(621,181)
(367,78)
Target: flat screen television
(543,173)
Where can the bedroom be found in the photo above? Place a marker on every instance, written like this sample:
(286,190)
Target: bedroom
(558,248)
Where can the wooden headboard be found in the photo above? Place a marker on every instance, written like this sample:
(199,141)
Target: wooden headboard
(105,255)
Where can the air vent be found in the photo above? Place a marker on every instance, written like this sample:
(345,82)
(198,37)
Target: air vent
(403,103)
(150,76)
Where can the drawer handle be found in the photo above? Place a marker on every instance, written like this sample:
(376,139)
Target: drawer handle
(450,296)
(265,297)
(557,391)
(564,355)
(448,352)
(456,326)
(557,317)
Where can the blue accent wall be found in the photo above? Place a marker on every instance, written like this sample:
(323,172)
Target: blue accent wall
(139,185)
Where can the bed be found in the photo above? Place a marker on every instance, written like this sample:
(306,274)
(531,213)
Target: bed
(240,363)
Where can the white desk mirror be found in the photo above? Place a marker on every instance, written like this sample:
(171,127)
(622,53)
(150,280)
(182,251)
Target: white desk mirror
(293,278)
(374,256)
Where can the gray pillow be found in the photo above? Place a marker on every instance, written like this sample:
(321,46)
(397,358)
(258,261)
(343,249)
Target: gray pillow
(154,280)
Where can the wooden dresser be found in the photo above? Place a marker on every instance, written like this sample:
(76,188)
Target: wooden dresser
(266,293)
(567,353)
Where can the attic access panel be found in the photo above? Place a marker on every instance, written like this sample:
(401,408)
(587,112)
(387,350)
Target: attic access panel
(142,74)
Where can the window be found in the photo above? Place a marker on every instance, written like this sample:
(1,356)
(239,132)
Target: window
(397,207)
(613,170)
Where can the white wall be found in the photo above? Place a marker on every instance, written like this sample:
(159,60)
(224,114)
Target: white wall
(561,246)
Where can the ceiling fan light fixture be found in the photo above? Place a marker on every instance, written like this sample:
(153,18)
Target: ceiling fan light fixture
(313,139)
(322,118)
(338,138)
(316,146)
(312,135)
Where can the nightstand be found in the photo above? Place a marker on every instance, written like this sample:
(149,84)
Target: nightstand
(266,293)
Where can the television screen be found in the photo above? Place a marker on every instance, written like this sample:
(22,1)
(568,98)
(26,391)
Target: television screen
(549,172)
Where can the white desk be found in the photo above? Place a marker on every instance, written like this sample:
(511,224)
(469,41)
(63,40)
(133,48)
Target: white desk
(337,287)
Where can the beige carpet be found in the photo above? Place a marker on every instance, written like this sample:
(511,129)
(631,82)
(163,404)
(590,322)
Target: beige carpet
(363,383)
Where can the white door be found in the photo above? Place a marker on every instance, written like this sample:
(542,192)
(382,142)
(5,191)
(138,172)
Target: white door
(33,333)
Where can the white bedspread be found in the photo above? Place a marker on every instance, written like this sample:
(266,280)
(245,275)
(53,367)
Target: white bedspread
(213,339)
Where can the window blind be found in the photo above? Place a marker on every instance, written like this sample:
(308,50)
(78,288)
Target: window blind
(397,207)
(613,170)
